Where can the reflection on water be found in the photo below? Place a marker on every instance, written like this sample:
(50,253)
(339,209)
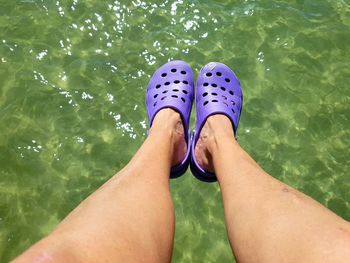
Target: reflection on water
(72,81)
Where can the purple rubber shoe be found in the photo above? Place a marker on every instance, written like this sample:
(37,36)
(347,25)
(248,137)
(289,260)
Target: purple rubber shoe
(218,91)
(171,86)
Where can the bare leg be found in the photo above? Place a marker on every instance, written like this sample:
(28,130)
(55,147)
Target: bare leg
(131,217)
(268,221)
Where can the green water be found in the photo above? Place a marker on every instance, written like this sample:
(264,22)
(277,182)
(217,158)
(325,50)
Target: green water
(72,81)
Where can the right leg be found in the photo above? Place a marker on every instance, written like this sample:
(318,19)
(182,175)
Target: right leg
(268,221)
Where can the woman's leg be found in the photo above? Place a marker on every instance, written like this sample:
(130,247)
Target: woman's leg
(268,221)
(131,217)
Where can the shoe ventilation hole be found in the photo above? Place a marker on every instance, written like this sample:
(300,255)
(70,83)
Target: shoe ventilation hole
(158,86)
(183,72)
(205,103)
(214,94)
(176,90)
(233,103)
(176,81)
(208,74)
(167,83)
(154,104)
(155,96)
(164,75)
(165,91)
(219,74)
(214,101)
(223,88)
(205,84)
(214,85)
(174,96)
(224,97)
(185,82)
(183,99)
(225,103)
(205,94)
(227,80)
(184,91)
(231,92)
(173,70)
(163,98)
(233,111)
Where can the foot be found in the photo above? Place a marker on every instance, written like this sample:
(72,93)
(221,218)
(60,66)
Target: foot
(169,120)
(216,128)
(218,92)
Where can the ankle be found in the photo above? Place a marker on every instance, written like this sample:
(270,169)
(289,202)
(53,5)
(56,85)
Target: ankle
(169,121)
(168,125)
(216,135)
(219,131)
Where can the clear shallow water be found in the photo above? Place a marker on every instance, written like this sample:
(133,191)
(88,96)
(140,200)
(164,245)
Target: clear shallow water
(72,81)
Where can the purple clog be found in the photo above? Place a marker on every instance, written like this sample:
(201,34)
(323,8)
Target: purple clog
(171,86)
(218,91)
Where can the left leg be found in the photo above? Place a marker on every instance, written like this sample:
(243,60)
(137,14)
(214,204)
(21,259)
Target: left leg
(131,217)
